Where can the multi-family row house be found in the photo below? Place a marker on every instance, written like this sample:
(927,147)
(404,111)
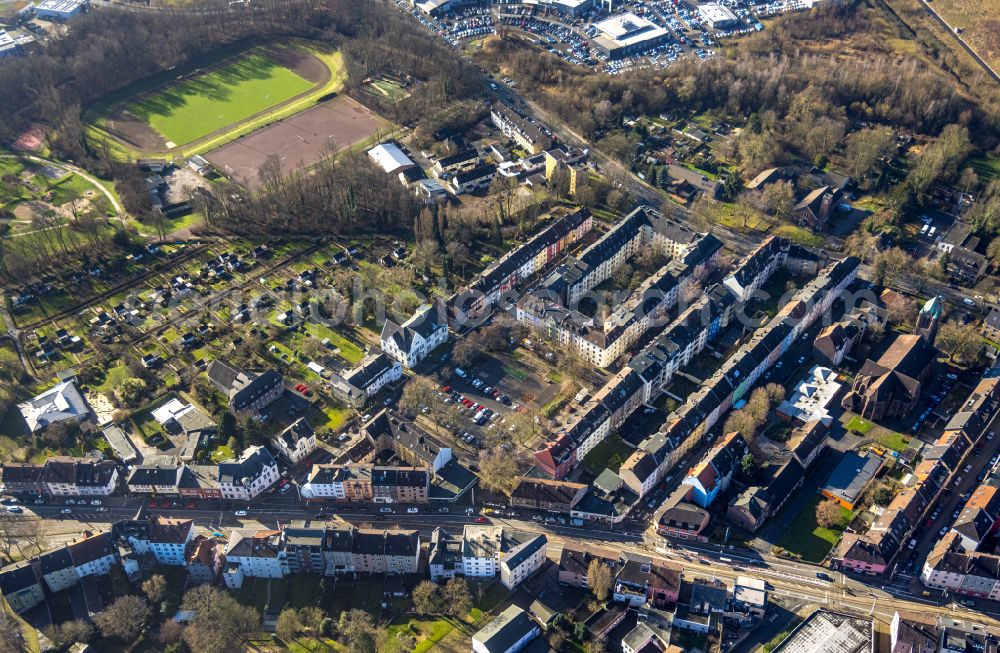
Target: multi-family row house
(155,480)
(357,386)
(411,342)
(703,409)
(249,475)
(63,476)
(544,494)
(758,502)
(757,268)
(911,632)
(463,161)
(326,550)
(519,129)
(636,580)
(295,441)
(21,587)
(640,229)
(386,552)
(522,557)
(470,181)
(254,554)
(601,341)
(444,555)
(204,559)
(249,393)
(519,265)
(187,481)
(686,337)
(167,539)
(491,551)
(684,512)
(381,484)
(640,581)
(64,567)
(951,568)
(876,551)
(712,475)
(390,432)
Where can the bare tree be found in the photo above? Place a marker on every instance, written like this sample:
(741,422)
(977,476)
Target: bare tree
(599,580)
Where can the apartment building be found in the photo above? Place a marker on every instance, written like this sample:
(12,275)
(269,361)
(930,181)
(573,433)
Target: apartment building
(386,552)
(168,539)
(249,475)
(521,560)
(519,265)
(544,494)
(249,393)
(381,484)
(519,129)
(66,476)
(296,441)
(411,342)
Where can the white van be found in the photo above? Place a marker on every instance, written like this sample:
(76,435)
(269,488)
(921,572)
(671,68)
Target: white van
(460,372)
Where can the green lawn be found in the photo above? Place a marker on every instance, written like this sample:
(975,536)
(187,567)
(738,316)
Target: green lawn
(859,425)
(610,452)
(892,440)
(427,631)
(807,538)
(349,351)
(202,104)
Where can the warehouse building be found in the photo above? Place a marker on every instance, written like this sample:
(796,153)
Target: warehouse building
(627,34)
(60,10)
(717,16)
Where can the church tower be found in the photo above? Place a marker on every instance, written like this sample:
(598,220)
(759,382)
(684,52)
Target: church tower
(929,318)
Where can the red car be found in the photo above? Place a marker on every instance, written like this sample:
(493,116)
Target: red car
(152,504)
(446,388)
(190,504)
(299,387)
(481,520)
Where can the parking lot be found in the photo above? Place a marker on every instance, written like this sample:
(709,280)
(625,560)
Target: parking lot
(570,37)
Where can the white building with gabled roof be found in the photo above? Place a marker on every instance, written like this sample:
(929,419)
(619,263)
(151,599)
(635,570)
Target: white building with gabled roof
(411,341)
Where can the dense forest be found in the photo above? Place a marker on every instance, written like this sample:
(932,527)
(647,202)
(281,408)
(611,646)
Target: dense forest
(768,73)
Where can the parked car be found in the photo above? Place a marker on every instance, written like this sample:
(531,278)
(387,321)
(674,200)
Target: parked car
(412,511)
(240,513)
(385,510)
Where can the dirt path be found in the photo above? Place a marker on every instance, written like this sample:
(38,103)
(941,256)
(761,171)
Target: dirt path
(119,209)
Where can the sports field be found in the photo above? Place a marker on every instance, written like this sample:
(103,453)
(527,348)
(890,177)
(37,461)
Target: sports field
(203,103)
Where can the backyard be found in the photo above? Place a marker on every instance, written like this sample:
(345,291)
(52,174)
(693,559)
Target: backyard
(807,539)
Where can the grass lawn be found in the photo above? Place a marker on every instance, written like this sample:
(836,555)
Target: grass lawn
(330,418)
(610,453)
(202,104)
(859,425)
(807,538)
(222,452)
(800,235)
(112,378)
(426,631)
(349,351)
(892,440)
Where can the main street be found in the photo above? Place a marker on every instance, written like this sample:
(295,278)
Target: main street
(791,582)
